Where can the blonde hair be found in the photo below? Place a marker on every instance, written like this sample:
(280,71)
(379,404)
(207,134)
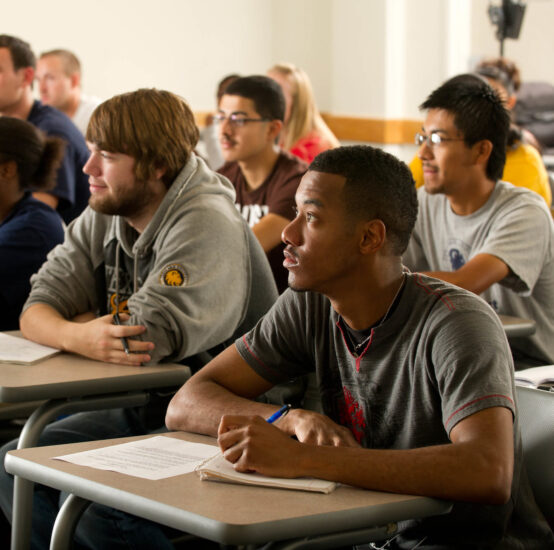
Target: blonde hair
(304,117)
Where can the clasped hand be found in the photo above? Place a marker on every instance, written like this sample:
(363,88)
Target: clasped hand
(253,445)
(102,340)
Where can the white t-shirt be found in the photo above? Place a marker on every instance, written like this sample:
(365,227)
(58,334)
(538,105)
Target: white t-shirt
(513,225)
(84,112)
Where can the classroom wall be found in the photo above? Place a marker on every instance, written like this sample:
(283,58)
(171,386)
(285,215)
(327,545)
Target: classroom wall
(372,58)
(534,48)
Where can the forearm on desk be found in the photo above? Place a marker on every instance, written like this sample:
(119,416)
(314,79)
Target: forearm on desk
(465,471)
(226,385)
(43,324)
(199,407)
(477,275)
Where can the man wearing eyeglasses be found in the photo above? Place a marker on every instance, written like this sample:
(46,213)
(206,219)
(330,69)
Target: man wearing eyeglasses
(474,230)
(250,119)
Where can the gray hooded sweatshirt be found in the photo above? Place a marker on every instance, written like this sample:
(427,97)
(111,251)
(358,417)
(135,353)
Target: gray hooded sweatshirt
(196,277)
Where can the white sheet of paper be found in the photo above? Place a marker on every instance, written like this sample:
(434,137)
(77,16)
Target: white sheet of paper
(153,458)
(14,349)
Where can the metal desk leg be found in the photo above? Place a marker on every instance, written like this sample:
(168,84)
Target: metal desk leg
(66,522)
(23,489)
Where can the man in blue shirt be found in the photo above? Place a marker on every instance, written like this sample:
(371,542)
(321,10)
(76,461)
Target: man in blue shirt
(17,66)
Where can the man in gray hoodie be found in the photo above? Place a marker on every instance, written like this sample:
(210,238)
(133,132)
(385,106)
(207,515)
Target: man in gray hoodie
(161,248)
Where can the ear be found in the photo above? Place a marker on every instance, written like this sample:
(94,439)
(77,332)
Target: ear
(373,237)
(482,151)
(159,172)
(8,169)
(275,127)
(28,75)
(511,102)
(75,80)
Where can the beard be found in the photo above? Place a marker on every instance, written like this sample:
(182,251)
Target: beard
(126,203)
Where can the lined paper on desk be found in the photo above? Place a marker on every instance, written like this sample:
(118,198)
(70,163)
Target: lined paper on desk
(153,458)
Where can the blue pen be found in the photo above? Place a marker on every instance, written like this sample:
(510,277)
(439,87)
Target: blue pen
(278,414)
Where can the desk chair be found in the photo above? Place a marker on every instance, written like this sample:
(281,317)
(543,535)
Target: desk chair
(536,420)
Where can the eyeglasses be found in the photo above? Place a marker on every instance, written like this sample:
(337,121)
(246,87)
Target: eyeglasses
(432,139)
(235,120)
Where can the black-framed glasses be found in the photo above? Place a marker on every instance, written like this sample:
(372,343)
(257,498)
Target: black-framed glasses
(236,120)
(432,139)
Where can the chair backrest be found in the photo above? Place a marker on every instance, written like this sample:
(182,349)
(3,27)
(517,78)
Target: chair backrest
(536,421)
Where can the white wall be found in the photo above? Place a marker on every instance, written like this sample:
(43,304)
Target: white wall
(376,58)
(533,51)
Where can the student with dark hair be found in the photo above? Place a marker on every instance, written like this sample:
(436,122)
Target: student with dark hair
(250,118)
(162,246)
(208,144)
(474,230)
(415,374)
(523,166)
(17,65)
(29,229)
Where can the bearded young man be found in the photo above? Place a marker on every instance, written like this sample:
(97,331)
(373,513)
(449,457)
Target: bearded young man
(161,244)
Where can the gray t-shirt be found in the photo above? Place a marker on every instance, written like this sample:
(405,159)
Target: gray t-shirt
(513,225)
(441,356)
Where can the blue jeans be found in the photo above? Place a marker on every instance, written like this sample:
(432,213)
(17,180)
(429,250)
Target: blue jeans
(100,527)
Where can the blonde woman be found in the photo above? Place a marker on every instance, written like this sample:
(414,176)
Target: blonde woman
(305,134)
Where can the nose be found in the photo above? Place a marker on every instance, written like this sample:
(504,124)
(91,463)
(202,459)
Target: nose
(425,152)
(225,126)
(291,232)
(91,167)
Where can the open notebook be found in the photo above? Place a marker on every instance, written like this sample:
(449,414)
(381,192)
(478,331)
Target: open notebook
(19,350)
(535,376)
(217,468)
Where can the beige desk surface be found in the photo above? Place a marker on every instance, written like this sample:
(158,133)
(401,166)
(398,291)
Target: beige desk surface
(68,375)
(516,326)
(233,514)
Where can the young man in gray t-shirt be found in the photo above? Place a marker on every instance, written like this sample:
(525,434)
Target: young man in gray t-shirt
(415,375)
(475,231)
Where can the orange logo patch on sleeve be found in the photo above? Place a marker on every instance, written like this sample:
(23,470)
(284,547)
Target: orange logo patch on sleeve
(173,275)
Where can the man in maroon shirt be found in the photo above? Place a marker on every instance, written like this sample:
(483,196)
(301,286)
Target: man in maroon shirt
(250,118)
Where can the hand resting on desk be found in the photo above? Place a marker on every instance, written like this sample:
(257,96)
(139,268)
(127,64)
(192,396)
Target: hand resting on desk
(97,339)
(252,444)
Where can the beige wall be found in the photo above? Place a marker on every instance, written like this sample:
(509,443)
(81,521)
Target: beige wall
(375,58)
(533,51)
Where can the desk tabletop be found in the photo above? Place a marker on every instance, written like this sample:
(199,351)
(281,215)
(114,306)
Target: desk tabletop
(68,375)
(517,326)
(226,513)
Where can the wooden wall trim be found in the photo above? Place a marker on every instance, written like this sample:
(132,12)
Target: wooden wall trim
(373,130)
(352,128)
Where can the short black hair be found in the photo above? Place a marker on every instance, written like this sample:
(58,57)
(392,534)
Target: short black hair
(478,114)
(378,186)
(266,94)
(20,51)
